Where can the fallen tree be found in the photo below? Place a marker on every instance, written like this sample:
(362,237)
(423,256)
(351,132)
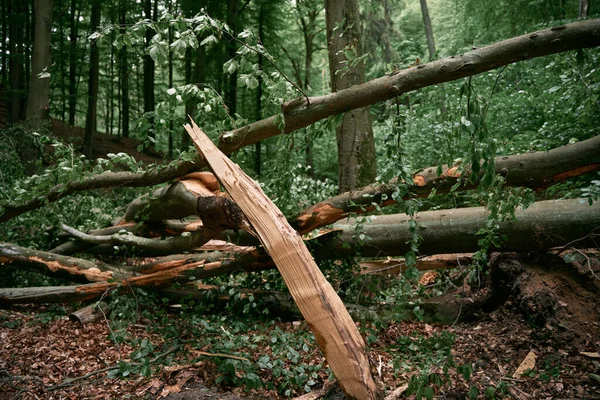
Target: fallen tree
(537,170)
(544,225)
(303,112)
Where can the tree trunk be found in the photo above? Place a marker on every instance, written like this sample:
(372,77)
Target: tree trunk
(17,11)
(124,66)
(231,85)
(39,88)
(149,71)
(356,147)
(259,89)
(428,30)
(73,63)
(94,76)
(320,305)
(92,313)
(584,8)
(4,58)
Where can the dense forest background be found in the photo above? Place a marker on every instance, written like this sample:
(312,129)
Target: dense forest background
(93,99)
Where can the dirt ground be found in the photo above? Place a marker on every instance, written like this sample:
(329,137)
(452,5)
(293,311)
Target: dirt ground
(544,306)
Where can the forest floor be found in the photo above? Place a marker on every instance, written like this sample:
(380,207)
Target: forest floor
(544,306)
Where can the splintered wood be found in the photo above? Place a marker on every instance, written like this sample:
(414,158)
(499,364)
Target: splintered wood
(334,330)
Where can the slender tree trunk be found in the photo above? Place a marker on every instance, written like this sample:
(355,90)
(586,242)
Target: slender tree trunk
(73,63)
(39,88)
(259,90)
(231,89)
(124,74)
(90,123)
(29,18)
(5,56)
(170,82)
(149,71)
(584,8)
(356,147)
(309,37)
(17,11)
(428,30)
(62,66)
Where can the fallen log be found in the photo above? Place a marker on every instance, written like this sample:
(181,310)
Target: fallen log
(323,310)
(92,313)
(59,266)
(543,225)
(302,112)
(537,170)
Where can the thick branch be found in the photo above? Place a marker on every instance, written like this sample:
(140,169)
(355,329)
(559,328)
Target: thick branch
(574,36)
(299,114)
(533,170)
(58,266)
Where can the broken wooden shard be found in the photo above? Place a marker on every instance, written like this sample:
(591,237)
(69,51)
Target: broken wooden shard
(320,305)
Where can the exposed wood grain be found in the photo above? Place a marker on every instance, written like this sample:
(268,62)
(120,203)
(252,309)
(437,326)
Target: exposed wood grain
(320,305)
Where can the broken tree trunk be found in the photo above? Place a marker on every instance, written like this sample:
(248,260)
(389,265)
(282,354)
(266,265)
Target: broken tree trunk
(536,170)
(300,113)
(320,305)
(543,225)
(92,313)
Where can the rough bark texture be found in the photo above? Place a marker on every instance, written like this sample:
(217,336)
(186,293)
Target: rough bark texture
(533,170)
(356,146)
(323,310)
(39,87)
(92,313)
(549,41)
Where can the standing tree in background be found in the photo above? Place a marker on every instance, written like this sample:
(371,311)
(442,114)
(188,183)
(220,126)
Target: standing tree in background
(39,88)
(18,11)
(428,30)
(73,35)
(356,146)
(231,86)
(584,8)
(149,68)
(124,70)
(94,76)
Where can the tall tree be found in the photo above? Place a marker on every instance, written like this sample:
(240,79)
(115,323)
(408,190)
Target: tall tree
(39,88)
(17,10)
(4,58)
(149,69)
(124,69)
(259,91)
(231,86)
(428,30)
(93,78)
(356,146)
(584,8)
(73,36)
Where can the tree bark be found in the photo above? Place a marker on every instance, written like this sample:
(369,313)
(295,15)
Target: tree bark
(323,310)
(259,89)
(428,30)
(149,71)
(231,86)
(356,146)
(578,35)
(17,10)
(73,63)
(124,67)
(92,313)
(584,8)
(39,88)
(94,77)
